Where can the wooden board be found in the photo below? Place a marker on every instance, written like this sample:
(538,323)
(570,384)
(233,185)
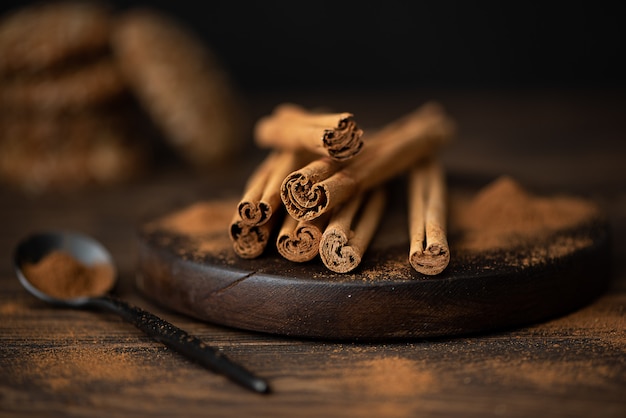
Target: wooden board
(195,271)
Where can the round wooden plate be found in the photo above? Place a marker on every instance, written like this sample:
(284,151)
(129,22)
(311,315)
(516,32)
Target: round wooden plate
(193,270)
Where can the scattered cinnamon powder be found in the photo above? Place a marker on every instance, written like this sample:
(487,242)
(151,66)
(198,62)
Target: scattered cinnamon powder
(503,218)
(205,223)
(383,377)
(504,215)
(199,219)
(549,374)
(70,368)
(387,385)
(10,308)
(60,275)
(391,376)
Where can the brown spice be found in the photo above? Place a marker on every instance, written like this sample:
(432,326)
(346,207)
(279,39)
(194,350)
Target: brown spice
(546,374)
(204,223)
(299,241)
(10,308)
(500,218)
(65,369)
(60,275)
(324,185)
(393,376)
(292,127)
(504,215)
(390,380)
(201,218)
(428,248)
(350,231)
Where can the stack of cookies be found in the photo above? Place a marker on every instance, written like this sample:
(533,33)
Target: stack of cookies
(182,86)
(83,87)
(66,120)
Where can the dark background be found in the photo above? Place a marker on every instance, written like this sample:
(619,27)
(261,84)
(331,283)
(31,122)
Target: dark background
(394,44)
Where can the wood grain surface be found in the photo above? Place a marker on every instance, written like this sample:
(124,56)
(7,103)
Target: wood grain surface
(64,362)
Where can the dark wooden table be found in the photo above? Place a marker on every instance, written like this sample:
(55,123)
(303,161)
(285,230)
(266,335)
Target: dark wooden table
(60,362)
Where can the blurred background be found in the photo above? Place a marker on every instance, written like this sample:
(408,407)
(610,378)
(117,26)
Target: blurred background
(398,44)
(507,72)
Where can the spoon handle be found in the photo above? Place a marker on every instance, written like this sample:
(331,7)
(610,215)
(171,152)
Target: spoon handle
(178,340)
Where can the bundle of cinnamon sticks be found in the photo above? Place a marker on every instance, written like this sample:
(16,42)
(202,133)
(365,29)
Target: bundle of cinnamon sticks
(322,187)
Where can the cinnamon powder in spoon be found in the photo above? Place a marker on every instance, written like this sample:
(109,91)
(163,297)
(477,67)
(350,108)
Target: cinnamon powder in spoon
(60,275)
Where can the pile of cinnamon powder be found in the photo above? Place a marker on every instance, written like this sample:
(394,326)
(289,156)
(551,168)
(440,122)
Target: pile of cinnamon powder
(60,275)
(504,215)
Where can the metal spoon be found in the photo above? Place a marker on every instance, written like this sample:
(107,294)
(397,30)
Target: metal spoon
(88,251)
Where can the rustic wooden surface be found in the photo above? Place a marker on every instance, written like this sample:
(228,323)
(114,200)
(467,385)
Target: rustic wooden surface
(384,297)
(57,362)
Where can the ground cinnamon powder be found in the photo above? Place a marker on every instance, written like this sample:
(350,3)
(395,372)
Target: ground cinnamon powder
(201,218)
(504,215)
(206,224)
(60,275)
(71,368)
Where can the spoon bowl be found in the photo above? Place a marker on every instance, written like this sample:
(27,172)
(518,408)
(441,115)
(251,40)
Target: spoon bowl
(89,252)
(83,248)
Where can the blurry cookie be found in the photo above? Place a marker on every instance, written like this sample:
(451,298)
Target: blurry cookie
(181,85)
(77,86)
(69,152)
(41,35)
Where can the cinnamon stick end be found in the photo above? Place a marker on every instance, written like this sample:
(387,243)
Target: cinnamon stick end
(432,261)
(254,214)
(301,246)
(248,241)
(336,254)
(303,199)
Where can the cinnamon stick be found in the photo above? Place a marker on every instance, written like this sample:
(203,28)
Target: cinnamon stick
(292,127)
(249,241)
(323,184)
(299,241)
(429,252)
(350,231)
(261,196)
(256,213)
(303,196)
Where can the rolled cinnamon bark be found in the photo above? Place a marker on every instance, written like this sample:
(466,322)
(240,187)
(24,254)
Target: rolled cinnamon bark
(301,192)
(350,230)
(291,127)
(429,252)
(323,184)
(299,241)
(261,195)
(249,241)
